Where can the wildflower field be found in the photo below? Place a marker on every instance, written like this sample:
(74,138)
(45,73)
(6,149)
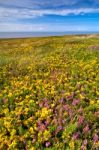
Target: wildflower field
(49,93)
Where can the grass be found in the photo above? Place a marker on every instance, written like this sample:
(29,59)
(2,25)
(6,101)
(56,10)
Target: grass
(49,93)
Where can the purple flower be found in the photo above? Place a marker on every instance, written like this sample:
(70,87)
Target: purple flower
(39,122)
(47,144)
(82,147)
(95,138)
(61,100)
(75,102)
(85,142)
(60,128)
(66,107)
(80,120)
(70,97)
(86,129)
(76,135)
(42,127)
(47,122)
(46,104)
(70,113)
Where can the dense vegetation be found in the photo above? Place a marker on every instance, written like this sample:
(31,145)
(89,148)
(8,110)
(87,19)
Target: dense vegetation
(49,93)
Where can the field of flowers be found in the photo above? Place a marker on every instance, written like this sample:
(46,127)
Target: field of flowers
(49,93)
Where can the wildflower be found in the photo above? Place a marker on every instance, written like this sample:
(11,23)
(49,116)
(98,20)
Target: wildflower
(75,102)
(86,129)
(60,128)
(33,148)
(61,100)
(95,138)
(76,135)
(97,101)
(10,94)
(66,107)
(80,120)
(81,96)
(70,97)
(46,135)
(92,102)
(85,142)
(45,112)
(41,127)
(71,144)
(84,145)
(31,130)
(47,144)
(97,143)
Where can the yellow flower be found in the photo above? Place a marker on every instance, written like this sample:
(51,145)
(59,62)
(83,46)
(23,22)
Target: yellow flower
(13,132)
(97,144)
(92,102)
(0,94)
(47,135)
(6,110)
(32,148)
(81,96)
(26,109)
(27,96)
(44,112)
(13,145)
(40,137)
(10,94)
(25,122)
(31,130)
(53,105)
(97,101)
(97,93)
(71,144)
(4,91)
(35,127)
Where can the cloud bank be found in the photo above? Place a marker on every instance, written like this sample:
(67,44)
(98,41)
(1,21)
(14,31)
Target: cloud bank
(15,12)
(9,14)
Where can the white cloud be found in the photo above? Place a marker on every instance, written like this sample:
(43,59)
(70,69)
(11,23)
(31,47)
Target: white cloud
(15,13)
(10,19)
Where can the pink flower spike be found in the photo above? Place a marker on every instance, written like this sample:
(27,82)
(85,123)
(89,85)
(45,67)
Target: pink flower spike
(86,129)
(76,136)
(95,138)
(75,102)
(80,120)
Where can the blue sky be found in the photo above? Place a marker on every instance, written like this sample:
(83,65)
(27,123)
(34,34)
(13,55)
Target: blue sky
(49,15)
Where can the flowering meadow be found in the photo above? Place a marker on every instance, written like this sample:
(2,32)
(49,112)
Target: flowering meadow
(49,93)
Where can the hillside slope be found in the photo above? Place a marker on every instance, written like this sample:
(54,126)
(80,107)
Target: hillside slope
(49,93)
